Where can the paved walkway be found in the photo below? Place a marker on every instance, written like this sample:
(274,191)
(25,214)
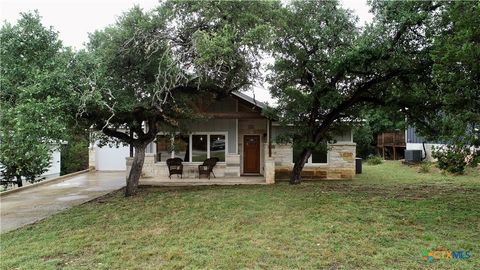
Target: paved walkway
(30,205)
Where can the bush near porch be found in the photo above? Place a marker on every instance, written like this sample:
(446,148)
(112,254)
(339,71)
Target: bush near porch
(385,218)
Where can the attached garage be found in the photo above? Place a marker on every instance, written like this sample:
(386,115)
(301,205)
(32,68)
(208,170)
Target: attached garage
(111,158)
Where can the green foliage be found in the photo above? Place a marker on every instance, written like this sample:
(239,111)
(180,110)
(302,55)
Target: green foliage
(74,154)
(456,71)
(328,73)
(375,121)
(454,157)
(170,57)
(34,96)
(152,68)
(311,38)
(374,160)
(453,93)
(425,167)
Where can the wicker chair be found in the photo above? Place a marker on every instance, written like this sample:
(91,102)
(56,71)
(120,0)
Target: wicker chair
(207,167)
(175,166)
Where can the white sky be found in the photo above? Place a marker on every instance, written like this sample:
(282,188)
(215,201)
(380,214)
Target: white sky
(74,19)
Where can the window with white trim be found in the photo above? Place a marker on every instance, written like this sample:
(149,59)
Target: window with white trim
(192,148)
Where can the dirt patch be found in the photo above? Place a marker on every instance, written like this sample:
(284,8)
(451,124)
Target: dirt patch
(397,191)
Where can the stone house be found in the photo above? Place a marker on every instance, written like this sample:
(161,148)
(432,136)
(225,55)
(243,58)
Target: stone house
(234,130)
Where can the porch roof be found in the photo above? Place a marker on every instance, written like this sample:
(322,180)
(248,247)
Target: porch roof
(250,100)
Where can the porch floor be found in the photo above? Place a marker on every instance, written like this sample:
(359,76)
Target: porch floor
(165,181)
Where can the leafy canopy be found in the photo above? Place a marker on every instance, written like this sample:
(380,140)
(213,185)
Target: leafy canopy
(35,96)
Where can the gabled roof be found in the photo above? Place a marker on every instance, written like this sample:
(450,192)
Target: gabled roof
(251,100)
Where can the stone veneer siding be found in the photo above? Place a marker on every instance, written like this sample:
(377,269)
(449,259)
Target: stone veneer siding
(341,163)
(190,169)
(92,154)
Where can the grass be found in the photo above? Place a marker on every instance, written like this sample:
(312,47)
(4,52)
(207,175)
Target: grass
(384,219)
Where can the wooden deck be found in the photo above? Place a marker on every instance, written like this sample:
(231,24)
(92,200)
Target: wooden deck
(391,144)
(221,181)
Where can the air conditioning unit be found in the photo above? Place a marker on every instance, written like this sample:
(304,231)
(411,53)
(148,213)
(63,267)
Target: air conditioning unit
(413,155)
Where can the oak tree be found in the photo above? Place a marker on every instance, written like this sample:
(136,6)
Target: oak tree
(142,74)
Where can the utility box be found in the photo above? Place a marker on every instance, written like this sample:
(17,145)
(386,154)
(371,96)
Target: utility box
(358,165)
(413,156)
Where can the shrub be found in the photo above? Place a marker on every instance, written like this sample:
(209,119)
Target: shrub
(453,158)
(75,154)
(374,160)
(425,167)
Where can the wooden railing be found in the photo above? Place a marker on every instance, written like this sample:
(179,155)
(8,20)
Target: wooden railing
(391,139)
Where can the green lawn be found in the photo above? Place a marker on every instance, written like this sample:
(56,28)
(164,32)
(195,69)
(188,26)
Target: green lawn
(384,219)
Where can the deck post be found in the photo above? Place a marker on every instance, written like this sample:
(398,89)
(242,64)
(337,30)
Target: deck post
(383,145)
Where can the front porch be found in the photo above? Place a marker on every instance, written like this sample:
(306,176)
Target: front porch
(226,173)
(219,181)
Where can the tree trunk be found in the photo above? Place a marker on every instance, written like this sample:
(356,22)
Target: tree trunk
(19,181)
(296,177)
(136,170)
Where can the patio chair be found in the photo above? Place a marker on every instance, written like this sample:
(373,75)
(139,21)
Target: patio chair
(207,167)
(175,166)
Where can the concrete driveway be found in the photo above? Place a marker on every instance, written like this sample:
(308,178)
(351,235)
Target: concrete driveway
(30,205)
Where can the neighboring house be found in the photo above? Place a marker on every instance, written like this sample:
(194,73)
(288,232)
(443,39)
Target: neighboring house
(416,142)
(54,168)
(233,130)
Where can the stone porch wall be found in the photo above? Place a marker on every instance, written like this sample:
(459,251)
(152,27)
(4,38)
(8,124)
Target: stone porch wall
(92,162)
(341,163)
(190,169)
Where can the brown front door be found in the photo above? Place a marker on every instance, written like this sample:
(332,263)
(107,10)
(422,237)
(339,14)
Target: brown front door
(251,154)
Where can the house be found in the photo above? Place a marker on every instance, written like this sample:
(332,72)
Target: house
(53,169)
(416,142)
(55,159)
(234,130)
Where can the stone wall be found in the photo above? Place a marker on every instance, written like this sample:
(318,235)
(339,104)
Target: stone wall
(190,169)
(232,165)
(92,158)
(269,170)
(341,163)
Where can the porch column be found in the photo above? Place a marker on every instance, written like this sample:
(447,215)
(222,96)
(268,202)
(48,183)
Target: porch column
(269,170)
(269,137)
(92,157)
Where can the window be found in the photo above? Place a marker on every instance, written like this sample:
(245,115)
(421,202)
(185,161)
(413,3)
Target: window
(181,147)
(217,147)
(318,156)
(199,148)
(192,148)
(163,148)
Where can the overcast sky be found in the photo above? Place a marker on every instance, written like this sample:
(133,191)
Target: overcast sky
(74,19)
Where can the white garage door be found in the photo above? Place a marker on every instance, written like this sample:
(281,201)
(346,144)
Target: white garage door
(111,158)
